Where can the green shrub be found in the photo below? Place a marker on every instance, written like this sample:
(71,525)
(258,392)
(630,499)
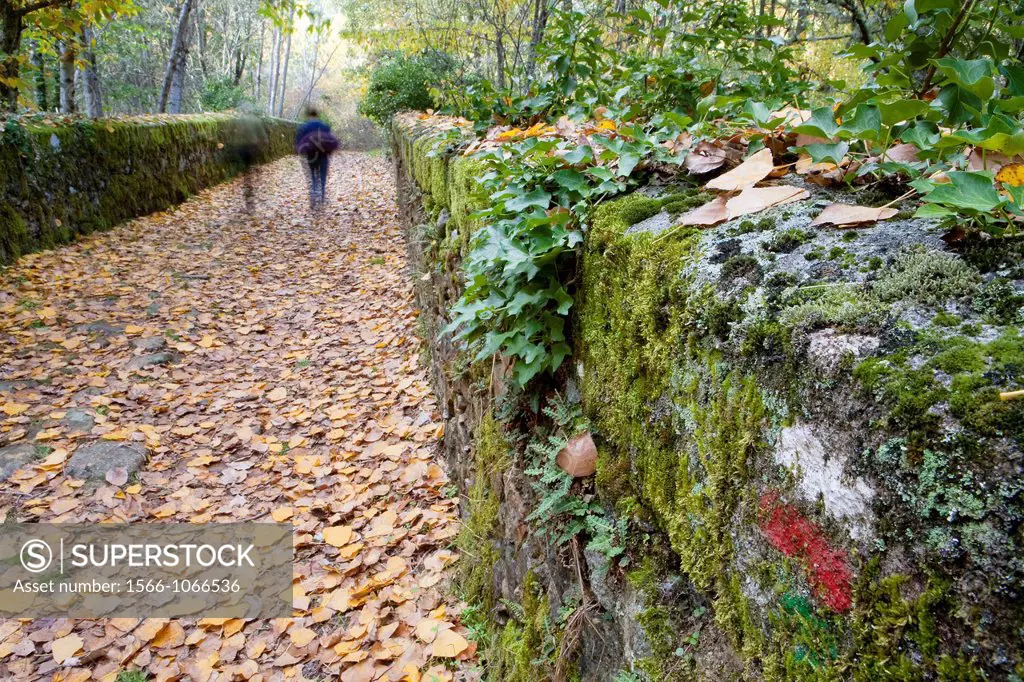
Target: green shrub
(400,82)
(222,94)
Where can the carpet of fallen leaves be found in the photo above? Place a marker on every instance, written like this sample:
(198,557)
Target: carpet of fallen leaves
(293,393)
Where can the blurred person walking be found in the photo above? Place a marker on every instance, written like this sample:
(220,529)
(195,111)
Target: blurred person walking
(249,146)
(316,143)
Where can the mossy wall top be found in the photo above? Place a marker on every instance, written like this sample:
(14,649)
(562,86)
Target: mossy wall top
(60,181)
(812,417)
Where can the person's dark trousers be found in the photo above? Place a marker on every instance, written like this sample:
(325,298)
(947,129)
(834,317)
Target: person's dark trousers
(318,179)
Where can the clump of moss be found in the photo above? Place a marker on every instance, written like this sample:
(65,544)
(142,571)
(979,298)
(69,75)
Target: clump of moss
(928,277)
(787,240)
(526,647)
(999,302)
(742,266)
(946,319)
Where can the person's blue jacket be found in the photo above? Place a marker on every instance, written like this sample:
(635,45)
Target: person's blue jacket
(308,127)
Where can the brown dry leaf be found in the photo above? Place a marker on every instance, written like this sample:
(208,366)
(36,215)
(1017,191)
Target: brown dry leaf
(579,457)
(714,212)
(428,629)
(707,157)
(65,647)
(282,514)
(117,476)
(755,199)
(848,215)
(361,672)
(751,171)
(906,153)
(805,164)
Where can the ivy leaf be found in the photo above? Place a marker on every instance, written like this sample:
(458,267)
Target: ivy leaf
(973,75)
(822,123)
(922,134)
(933,211)
(960,105)
(1014,79)
(580,154)
(571,180)
(901,110)
(627,162)
(865,124)
(536,197)
(967,190)
(822,151)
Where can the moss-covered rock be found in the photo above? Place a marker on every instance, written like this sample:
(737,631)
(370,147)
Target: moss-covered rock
(803,425)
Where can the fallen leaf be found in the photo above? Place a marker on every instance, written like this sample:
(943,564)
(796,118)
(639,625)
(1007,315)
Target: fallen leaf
(755,199)
(117,476)
(753,170)
(66,647)
(848,215)
(448,644)
(714,212)
(1011,174)
(338,536)
(300,637)
(14,409)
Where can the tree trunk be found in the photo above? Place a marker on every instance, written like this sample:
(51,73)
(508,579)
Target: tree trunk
(42,96)
(499,53)
(89,77)
(11,25)
(540,22)
(284,74)
(259,63)
(68,105)
(174,76)
(275,59)
(201,36)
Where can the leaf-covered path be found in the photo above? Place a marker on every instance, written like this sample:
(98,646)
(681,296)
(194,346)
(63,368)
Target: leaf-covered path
(267,365)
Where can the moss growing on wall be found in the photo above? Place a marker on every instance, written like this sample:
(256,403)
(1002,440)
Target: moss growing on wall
(694,354)
(476,538)
(56,183)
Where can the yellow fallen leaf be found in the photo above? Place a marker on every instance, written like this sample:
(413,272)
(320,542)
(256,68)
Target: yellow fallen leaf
(66,647)
(301,636)
(171,635)
(282,514)
(338,536)
(14,409)
(207,341)
(134,329)
(278,394)
(1011,174)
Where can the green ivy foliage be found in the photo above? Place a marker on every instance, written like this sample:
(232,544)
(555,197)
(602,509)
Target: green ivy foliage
(399,82)
(945,78)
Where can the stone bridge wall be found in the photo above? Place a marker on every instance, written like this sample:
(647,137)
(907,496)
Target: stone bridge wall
(803,426)
(57,182)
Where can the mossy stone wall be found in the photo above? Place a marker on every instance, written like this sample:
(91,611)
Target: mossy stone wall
(804,427)
(57,182)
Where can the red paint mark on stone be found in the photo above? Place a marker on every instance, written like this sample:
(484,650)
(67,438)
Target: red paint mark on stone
(793,534)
